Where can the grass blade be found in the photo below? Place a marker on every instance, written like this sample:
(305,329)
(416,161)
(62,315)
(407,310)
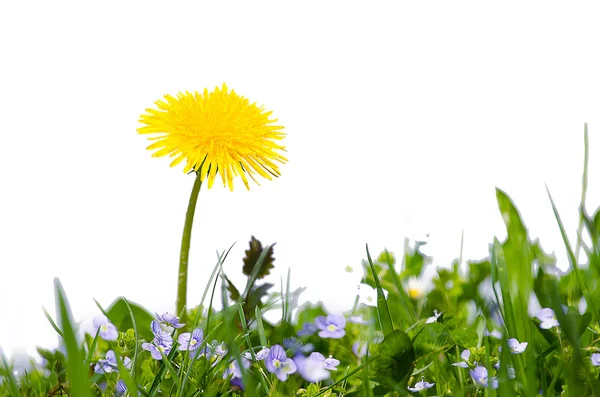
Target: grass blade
(76,370)
(382,308)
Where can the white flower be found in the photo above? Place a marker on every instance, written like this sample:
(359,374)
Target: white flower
(434,318)
(416,288)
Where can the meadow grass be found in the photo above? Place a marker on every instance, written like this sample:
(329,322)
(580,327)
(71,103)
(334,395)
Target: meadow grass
(510,324)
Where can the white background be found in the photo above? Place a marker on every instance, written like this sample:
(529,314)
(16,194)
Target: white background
(401,120)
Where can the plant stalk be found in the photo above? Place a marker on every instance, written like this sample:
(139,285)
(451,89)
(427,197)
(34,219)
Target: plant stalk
(180,305)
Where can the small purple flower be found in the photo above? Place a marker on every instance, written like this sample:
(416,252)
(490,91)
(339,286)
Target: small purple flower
(359,349)
(465,356)
(311,369)
(109,364)
(121,388)
(169,320)
(278,363)
(159,332)
(332,326)
(234,369)
(548,318)
(516,347)
(422,385)
(307,329)
(328,363)
(260,355)
(595,359)
(190,341)
(295,346)
(107,330)
(159,346)
(480,376)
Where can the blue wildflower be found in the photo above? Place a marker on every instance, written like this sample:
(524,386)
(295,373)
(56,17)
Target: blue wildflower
(311,368)
(190,341)
(307,329)
(278,363)
(480,376)
(169,320)
(422,385)
(106,329)
(328,363)
(331,326)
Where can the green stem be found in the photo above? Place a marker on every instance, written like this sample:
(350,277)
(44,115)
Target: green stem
(184,255)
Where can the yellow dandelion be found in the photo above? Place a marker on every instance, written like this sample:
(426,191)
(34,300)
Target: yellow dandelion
(217,132)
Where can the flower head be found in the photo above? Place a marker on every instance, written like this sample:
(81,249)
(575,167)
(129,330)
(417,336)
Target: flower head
(307,329)
(311,368)
(169,320)
(217,132)
(595,359)
(359,349)
(234,369)
(422,385)
(433,318)
(465,355)
(480,376)
(278,363)
(332,326)
(260,355)
(106,329)
(121,388)
(548,318)
(109,364)
(190,341)
(328,363)
(516,347)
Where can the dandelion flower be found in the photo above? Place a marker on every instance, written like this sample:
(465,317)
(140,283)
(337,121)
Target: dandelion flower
(217,132)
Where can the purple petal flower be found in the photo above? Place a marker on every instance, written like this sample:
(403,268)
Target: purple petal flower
(358,320)
(107,330)
(121,388)
(260,355)
(109,364)
(159,332)
(328,363)
(359,349)
(480,376)
(159,345)
(234,369)
(332,326)
(169,320)
(422,385)
(311,369)
(516,347)
(465,356)
(190,341)
(307,329)
(548,318)
(278,363)
(595,359)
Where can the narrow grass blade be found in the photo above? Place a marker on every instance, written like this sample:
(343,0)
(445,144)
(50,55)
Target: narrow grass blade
(572,258)
(10,377)
(259,325)
(52,323)
(76,370)
(382,308)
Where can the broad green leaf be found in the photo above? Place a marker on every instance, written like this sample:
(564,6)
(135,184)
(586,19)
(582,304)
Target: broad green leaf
(393,359)
(434,337)
(118,314)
